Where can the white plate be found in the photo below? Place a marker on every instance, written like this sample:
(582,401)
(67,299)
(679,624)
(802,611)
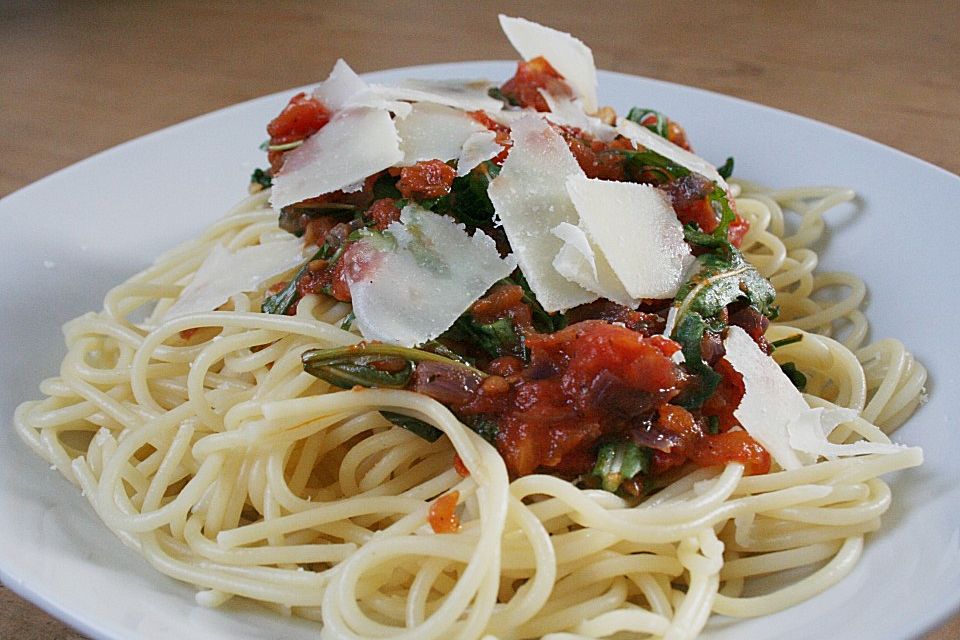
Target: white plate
(68,238)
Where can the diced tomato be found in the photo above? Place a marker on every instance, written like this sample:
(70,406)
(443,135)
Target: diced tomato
(732,446)
(677,135)
(443,516)
(426,179)
(726,398)
(531,76)
(302,117)
(383,212)
(503,301)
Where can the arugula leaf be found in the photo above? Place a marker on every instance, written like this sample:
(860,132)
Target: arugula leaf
(470,203)
(659,125)
(280,302)
(727,169)
(798,379)
(426,431)
(496,338)
(497,94)
(386,187)
(261,178)
(651,166)
(348,321)
(689,334)
(486,427)
(723,277)
(797,337)
(372,364)
(620,461)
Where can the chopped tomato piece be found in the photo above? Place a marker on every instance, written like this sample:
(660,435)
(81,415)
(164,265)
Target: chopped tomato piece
(426,179)
(302,117)
(531,76)
(443,516)
(383,212)
(733,446)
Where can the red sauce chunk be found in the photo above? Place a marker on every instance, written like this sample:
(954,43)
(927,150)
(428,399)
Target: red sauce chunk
(531,76)
(443,516)
(733,446)
(302,117)
(590,380)
(426,179)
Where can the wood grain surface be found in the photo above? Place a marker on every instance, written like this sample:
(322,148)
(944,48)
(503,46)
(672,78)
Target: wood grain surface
(77,78)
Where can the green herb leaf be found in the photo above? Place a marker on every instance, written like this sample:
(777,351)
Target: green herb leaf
(469,202)
(713,425)
(261,178)
(497,94)
(496,338)
(689,334)
(280,302)
(727,169)
(620,461)
(486,427)
(372,364)
(798,379)
(724,277)
(364,370)
(426,431)
(655,121)
(386,187)
(348,321)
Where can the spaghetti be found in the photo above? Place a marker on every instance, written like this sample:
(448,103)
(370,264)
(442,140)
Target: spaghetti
(203,445)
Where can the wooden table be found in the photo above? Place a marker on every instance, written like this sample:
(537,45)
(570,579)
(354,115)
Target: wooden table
(76,78)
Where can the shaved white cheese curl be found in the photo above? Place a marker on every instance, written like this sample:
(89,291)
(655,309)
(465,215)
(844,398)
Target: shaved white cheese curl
(466,96)
(639,134)
(569,56)
(770,401)
(530,199)
(421,276)
(578,261)
(340,87)
(563,110)
(224,274)
(479,147)
(637,231)
(808,433)
(434,132)
(356,143)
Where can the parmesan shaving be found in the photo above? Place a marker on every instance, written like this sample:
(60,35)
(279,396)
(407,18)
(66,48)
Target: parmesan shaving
(356,143)
(479,147)
(808,432)
(569,56)
(421,276)
(569,112)
(340,87)
(579,262)
(637,231)
(530,199)
(639,134)
(770,401)
(434,132)
(224,274)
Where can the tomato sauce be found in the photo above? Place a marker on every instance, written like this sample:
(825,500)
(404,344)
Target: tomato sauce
(532,76)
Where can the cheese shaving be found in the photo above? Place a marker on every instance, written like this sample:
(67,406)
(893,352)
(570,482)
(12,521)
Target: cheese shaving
(568,55)
(637,231)
(421,276)
(356,143)
(434,132)
(530,199)
(579,262)
(224,274)
(639,134)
